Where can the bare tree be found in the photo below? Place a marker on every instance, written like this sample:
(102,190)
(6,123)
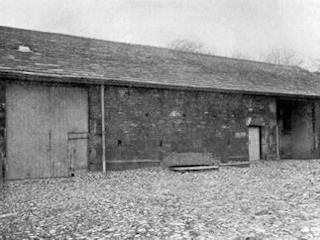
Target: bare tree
(317,65)
(282,56)
(189,46)
(239,55)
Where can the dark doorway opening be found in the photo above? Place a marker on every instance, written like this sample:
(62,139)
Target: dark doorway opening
(296,129)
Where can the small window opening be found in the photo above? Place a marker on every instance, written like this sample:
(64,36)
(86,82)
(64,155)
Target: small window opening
(147,114)
(119,143)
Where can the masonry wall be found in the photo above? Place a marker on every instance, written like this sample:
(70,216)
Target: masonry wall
(2,130)
(152,124)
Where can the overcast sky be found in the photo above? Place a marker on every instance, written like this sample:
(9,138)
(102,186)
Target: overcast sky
(251,27)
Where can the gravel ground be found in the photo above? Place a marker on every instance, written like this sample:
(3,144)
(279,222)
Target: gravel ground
(269,200)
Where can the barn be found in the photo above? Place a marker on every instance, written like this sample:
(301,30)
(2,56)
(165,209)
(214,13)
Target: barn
(71,104)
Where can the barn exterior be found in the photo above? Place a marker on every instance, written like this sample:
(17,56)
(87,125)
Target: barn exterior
(70,104)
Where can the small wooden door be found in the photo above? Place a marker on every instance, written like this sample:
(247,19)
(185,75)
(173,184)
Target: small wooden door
(254,143)
(77,152)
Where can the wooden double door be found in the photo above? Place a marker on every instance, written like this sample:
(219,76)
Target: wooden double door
(47,130)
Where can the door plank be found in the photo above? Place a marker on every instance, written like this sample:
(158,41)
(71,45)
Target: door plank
(39,119)
(69,114)
(27,131)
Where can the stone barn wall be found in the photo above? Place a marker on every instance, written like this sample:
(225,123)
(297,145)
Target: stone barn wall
(2,131)
(150,124)
(145,125)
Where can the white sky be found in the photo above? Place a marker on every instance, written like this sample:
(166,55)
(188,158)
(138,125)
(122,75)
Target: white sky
(251,27)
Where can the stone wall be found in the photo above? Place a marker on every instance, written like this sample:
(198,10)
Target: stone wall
(145,126)
(150,124)
(2,131)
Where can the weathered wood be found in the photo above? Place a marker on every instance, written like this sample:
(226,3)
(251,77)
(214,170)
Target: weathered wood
(28,122)
(277,141)
(254,143)
(103,131)
(39,120)
(193,168)
(69,109)
(77,135)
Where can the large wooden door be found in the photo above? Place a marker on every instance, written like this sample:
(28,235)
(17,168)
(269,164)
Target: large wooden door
(254,143)
(69,115)
(28,123)
(39,119)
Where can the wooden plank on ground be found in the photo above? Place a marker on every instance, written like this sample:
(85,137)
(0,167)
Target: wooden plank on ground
(193,168)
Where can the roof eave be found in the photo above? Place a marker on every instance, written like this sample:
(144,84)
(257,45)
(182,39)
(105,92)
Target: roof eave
(10,75)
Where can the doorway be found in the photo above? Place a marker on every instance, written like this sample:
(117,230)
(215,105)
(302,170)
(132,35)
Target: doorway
(296,128)
(254,143)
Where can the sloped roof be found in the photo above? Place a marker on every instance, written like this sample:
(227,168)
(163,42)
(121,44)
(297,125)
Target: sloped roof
(96,61)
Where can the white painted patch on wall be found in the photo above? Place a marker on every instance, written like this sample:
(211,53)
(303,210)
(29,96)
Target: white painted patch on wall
(175,114)
(11,57)
(240,134)
(248,121)
(272,107)
(25,49)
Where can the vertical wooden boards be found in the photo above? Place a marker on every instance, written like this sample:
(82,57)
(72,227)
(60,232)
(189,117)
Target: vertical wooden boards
(74,120)
(254,143)
(28,123)
(39,121)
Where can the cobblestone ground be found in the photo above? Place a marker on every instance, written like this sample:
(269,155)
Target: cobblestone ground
(269,200)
